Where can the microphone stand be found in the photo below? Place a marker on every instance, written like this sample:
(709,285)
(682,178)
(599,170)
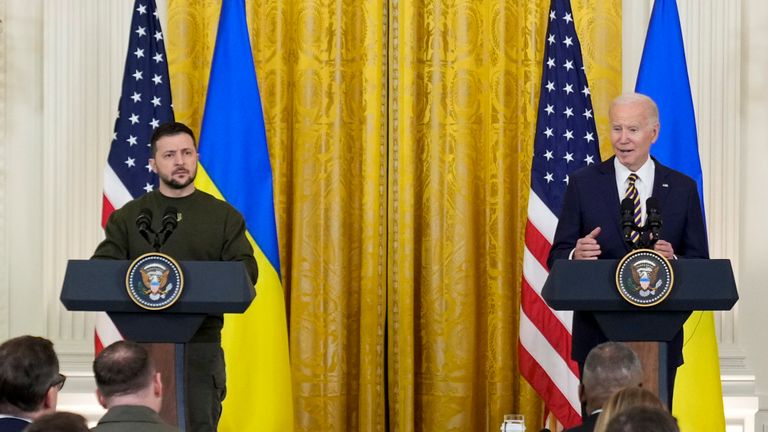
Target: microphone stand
(649,233)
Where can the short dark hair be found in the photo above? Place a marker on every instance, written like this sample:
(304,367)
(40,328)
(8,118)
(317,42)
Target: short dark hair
(169,129)
(28,369)
(59,422)
(643,419)
(608,368)
(124,367)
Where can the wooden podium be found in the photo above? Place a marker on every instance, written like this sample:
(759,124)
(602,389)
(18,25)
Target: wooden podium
(210,288)
(590,286)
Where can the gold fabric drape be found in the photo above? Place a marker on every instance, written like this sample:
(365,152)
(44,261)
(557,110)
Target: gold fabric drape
(401,136)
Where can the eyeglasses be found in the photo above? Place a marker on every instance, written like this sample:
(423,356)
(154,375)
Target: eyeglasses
(59,382)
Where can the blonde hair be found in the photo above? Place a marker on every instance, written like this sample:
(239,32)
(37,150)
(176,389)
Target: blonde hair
(623,399)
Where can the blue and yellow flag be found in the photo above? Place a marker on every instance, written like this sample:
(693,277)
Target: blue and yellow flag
(235,167)
(663,75)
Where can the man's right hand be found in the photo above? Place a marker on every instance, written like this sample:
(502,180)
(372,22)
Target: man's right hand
(587,248)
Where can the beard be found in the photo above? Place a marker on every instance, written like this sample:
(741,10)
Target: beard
(175,184)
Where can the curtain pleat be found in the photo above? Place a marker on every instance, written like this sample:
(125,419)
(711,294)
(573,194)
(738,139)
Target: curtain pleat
(400,135)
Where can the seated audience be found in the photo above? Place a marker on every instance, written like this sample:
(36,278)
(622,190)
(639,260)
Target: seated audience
(608,368)
(643,419)
(129,387)
(624,399)
(29,381)
(59,422)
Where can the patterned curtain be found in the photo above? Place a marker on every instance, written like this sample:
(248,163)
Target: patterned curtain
(400,136)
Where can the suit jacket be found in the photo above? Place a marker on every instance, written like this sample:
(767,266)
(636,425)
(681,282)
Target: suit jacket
(12,424)
(587,426)
(592,200)
(132,418)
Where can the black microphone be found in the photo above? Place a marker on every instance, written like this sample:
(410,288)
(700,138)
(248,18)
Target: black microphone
(170,219)
(628,220)
(169,222)
(653,220)
(144,223)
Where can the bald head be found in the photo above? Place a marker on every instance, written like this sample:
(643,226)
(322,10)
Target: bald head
(609,367)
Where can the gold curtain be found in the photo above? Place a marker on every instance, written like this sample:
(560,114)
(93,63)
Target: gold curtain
(400,136)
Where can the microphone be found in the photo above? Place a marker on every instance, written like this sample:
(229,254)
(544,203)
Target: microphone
(144,220)
(144,224)
(628,220)
(169,222)
(170,219)
(653,220)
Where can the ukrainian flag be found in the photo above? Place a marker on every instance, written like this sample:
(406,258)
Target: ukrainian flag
(663,75)
(235,167)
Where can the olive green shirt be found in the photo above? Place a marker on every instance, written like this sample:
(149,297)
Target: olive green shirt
(208,230)
(132,418)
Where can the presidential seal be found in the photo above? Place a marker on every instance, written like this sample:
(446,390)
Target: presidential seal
(644,277)
(154,281)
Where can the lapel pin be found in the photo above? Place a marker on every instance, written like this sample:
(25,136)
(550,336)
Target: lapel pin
(664,185)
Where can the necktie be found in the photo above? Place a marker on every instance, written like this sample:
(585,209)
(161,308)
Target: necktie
(635,197)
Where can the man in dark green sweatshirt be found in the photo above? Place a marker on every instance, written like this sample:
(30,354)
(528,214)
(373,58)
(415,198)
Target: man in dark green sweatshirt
(208,230)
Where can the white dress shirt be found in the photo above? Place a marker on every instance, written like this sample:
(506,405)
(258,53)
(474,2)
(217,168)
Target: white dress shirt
(644,185)
(644,182)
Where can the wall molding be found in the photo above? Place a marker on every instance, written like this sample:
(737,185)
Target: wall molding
(84,49)
(4,286)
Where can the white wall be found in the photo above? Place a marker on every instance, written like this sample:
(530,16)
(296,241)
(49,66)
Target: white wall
(61,66)
(753,319)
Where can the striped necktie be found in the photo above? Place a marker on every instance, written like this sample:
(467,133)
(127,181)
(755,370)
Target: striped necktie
(635,197)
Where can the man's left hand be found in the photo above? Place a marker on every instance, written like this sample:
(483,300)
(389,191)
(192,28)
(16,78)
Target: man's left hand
(664,248)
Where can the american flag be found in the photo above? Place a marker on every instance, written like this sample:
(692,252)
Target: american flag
(145,103)
(566,140)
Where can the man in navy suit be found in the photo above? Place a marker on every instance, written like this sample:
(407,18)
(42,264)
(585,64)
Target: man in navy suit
(29,381)
(590,227)
(609,367)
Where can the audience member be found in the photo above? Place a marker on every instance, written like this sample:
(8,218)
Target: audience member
(29,381)
(643,419)
(608,368)
(129,387)
(59,422)
(624,399)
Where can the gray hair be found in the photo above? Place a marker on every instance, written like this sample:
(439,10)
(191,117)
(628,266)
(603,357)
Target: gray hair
(651,109)
(610,367)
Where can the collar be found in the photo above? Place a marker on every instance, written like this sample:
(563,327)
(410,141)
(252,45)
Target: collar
(2,416)
(645,172)
(134,413)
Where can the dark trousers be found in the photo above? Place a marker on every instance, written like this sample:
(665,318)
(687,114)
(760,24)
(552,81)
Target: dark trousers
(206,385)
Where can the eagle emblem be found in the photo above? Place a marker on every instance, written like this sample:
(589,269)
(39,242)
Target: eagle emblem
(155,281)
(644,277)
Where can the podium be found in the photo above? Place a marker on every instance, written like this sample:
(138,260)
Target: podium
(590,286)
(210,288)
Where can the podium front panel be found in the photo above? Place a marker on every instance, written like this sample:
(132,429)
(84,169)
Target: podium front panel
(699,284)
